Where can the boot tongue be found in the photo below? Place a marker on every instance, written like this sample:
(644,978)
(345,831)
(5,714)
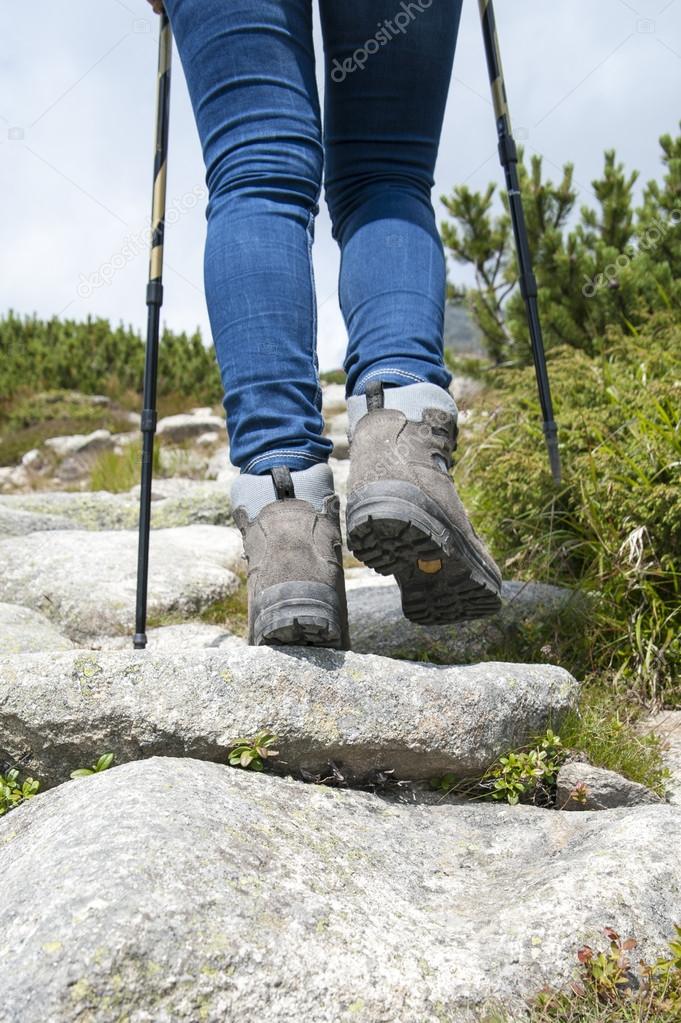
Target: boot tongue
(283,482)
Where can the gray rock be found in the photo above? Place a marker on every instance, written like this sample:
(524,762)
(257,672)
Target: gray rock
(24,631)
(377,624)
(80,443)
(186,426)
(667,724)
(16,522)
(33,460)
(177,891)
(14,477)
(580,786)
(86,581)
(208,439)
(174,503)
(172,638)
(367,712)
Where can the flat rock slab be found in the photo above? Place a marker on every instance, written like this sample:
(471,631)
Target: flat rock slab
(24,631)
(85,582)
(176,891)
(364,712)
(186,503)
(14,521)
(377,624)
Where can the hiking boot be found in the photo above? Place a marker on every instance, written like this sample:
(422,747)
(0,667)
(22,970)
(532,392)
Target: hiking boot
(404,516)
(290,525)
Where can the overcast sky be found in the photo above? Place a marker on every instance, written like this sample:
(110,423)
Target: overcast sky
(76,120)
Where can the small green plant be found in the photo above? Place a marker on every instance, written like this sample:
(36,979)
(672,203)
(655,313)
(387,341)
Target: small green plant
(530,774)
(606,990)
(13,791)
(251,753)
(103,764)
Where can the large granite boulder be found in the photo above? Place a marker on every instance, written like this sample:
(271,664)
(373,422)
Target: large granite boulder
(367,713)
(175,891)
(85,582)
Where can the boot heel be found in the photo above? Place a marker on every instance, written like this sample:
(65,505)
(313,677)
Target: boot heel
(298,614)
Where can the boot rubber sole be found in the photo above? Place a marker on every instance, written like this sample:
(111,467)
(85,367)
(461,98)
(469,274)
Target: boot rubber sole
(396,529)
(298,614)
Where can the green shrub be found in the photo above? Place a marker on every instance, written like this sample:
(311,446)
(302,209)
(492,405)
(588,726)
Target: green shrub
(599,730)
(96,358)
(614,526)
(333,376)
(612,264)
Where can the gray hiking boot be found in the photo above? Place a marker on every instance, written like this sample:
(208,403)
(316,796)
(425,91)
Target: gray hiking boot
(404,516)
(292,541)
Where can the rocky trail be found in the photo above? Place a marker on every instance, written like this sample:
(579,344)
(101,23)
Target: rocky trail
(173,887)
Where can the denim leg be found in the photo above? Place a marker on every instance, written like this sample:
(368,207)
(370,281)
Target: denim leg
(250,70)
(387,71)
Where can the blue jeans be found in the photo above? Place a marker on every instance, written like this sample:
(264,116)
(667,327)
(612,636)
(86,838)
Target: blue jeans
(250,69)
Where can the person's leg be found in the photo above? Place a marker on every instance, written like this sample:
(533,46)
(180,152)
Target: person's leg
(250,70)
(251,75)
(387,72)
(388,67)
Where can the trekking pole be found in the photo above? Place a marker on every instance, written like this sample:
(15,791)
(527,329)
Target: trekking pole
(508,156)
(154,303)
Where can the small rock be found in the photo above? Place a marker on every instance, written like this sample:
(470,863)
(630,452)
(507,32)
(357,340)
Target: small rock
(186,425)
(14,477)
(24,631)
(206,440)
(33,460)
(78,443)
(580,786)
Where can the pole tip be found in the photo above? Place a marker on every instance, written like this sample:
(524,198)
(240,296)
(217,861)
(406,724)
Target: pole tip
(139,640)
(551,434)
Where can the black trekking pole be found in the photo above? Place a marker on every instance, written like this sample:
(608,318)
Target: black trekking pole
(154,303)
(508,155)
